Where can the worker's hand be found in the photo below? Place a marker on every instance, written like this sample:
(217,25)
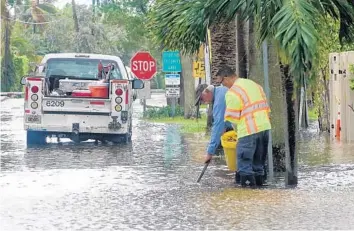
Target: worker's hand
(208,157)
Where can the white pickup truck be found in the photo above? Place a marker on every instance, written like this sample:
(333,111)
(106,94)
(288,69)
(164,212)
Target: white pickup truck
(61,100)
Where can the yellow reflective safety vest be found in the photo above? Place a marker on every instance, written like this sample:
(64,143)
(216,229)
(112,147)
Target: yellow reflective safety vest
(247,107)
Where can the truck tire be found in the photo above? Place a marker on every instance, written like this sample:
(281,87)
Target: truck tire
(127,138)
(36,137)
(130,131)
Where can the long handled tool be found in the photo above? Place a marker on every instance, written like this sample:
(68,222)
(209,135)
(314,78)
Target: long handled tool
(204,169)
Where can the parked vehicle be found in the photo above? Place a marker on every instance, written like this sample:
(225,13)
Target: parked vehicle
(81,97)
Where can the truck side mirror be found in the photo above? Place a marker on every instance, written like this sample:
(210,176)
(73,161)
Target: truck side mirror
(23,80)
(138,84)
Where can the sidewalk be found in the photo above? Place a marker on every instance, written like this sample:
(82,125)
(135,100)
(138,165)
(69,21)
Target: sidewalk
(157,100)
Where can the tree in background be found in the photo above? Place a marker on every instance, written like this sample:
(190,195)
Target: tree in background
(7,66)
(38,28)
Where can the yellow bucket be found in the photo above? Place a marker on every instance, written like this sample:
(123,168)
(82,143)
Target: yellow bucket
(228,142)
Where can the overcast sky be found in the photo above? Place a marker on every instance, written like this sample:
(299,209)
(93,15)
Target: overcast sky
(61,3)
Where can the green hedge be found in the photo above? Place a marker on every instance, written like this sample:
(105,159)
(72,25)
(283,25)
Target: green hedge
(10,79)
(21,64)
(166,111)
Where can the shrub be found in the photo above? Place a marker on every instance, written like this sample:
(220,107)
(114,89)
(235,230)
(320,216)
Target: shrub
(166,111)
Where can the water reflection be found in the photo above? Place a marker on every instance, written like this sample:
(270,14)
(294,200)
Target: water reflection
(172,145)
(151,184)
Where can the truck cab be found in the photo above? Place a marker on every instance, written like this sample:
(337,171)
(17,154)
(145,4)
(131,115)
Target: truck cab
(81,97)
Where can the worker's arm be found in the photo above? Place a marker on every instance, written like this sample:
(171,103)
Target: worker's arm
(217,128)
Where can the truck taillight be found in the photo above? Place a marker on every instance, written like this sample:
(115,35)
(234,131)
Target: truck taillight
(119,100)
(126,97)
(26,93)
(118,108)
(34,89)
(34,97)
(119,91)
(34,105)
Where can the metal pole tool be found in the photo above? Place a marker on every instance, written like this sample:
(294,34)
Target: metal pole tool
(204,169)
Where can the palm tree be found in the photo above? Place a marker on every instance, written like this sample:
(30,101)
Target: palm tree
(289,25)
(34,12)
(296,38)
(7,65)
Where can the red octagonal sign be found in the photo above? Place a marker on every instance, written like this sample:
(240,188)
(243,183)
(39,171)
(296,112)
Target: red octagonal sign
(143,65)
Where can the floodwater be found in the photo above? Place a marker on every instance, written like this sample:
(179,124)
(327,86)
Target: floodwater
(151,184)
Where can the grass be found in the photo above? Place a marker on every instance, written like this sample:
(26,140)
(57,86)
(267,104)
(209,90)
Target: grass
(312,114)
(187,125)
(164,115)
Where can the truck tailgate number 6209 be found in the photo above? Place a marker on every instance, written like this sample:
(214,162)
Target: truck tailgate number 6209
(55,103)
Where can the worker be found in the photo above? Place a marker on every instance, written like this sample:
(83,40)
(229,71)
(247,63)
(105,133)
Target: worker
(215,96)
(247,109)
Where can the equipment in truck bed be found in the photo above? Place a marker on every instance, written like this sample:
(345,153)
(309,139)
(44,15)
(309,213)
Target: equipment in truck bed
(69,85)
(104,72)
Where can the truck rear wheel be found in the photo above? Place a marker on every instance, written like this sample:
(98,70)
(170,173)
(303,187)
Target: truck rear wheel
(36,137)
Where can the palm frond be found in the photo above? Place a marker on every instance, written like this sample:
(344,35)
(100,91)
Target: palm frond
(294,26)
(47,8)
(178,25)
(340,10)
(264,14)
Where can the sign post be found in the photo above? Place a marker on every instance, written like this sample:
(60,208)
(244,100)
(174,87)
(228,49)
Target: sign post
(171,63)
(173,82)
(143,66)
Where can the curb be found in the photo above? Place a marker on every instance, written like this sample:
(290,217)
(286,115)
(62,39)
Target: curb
(4,98)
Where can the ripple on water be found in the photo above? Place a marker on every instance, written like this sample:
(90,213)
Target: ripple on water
(151,184)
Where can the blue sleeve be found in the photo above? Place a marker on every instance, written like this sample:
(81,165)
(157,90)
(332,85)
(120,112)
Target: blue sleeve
(217,128)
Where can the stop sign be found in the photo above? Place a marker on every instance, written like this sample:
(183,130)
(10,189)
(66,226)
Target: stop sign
(143,65)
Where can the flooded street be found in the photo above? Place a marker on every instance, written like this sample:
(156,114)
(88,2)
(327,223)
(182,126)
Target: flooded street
(151,184)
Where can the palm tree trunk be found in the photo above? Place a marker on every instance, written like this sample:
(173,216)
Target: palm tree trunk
(276,95)
(241,54)
(188,86)
(7,66)
(290,115)
(223,47)
(76,23)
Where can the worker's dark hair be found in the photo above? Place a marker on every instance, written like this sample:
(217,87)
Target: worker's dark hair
(225,71)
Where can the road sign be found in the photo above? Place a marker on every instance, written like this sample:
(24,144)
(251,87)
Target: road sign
(143,65)
(144,93)
(172,92)
(172,79)
(198,69)
(171,61)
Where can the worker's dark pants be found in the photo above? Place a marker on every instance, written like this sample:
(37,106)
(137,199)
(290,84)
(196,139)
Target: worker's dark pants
(251,153)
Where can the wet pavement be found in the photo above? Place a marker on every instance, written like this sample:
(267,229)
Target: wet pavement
(151,184)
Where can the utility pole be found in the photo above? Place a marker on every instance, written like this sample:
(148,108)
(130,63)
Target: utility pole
(207,60)
(267,91)
(208,79)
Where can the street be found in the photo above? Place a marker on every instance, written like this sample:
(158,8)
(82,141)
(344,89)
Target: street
(151,184)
